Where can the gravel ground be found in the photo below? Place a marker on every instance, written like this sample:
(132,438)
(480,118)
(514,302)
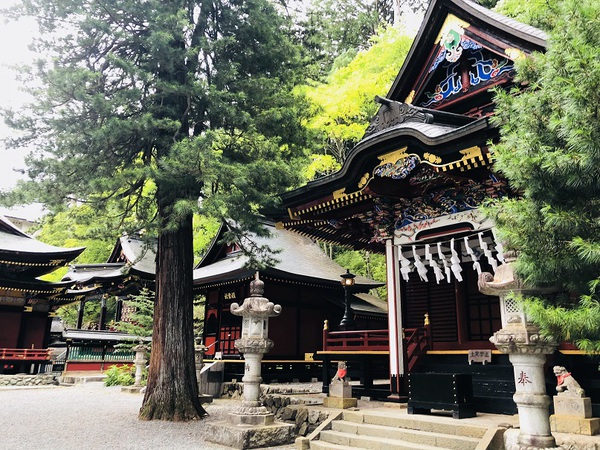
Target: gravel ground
(91,416)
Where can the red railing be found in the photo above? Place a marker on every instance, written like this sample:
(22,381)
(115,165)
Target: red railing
(363,340)
(24,354)
(416,341)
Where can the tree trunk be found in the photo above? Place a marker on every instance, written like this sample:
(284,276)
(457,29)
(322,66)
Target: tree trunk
(172,391)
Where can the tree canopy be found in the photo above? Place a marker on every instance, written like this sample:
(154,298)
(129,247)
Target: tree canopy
(344,103)
(550,152)
(148,107)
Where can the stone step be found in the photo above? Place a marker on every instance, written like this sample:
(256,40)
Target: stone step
(358,441)
(438,440)
(442,425)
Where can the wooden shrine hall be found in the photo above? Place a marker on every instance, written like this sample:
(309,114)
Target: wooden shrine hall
(411,189)
(303,280)
(27,303)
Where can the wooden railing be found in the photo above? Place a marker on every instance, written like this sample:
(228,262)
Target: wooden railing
(416,341)
(363,340)
(24,354)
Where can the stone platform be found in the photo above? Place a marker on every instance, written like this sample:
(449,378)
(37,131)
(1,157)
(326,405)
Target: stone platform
(244,436)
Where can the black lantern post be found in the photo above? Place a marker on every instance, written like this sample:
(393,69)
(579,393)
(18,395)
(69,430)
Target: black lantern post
(348,322)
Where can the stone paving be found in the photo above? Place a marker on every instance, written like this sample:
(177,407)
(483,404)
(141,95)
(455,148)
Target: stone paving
(92,416)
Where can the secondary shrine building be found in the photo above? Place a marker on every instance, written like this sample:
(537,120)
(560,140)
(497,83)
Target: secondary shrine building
(27,303)
(411,189)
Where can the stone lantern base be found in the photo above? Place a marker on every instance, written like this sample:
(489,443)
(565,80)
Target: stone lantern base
(245,435)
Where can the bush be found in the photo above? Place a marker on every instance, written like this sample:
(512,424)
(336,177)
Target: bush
(120,376)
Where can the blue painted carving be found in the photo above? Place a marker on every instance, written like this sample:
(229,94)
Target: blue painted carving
(482,68)
(398,170)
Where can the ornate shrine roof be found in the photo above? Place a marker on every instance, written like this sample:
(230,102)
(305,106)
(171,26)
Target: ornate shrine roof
(425,154)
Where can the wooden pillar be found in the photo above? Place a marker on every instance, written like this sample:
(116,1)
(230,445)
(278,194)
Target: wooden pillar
(395,327)
(119,310)
(80,312)
(102,320)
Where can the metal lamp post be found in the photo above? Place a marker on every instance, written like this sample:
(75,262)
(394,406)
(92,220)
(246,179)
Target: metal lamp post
(347,322)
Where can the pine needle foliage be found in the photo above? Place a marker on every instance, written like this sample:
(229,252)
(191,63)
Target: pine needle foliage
(550,153)
(150,105)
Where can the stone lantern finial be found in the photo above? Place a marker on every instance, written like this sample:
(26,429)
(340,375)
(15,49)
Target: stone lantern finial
(257,286)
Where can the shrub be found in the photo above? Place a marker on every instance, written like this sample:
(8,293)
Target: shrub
(120,376)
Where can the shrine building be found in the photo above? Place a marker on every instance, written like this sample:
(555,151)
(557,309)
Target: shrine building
(27,303)
(412,188)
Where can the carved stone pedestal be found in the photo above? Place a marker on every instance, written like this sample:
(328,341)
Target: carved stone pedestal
(340,391)
(574,415)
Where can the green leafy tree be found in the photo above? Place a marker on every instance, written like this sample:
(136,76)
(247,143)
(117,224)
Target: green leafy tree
(344,104)
(365,263)
(538,13)
(140,321)
(340,28)
(156,104)
(550,152)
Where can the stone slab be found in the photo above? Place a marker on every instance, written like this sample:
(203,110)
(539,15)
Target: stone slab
(131,389)
(246,436)
(251,419)
(341,390)
(565,405)
(340,403)
(574,425)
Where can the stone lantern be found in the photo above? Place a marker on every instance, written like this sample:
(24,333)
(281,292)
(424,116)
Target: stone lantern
(251,425)
(527,350)
(254,343)
(139,362)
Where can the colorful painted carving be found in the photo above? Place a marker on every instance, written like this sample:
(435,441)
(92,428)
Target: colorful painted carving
(398,170)
(481,69)
(388,216)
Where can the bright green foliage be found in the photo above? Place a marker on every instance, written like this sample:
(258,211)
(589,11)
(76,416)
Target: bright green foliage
(538,13)
(123,376)
(370,265)
(345,103)
(550,152)
(321,166)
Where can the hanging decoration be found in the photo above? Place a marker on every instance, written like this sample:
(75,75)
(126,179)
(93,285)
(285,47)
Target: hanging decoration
(405,268)
(487,252)
(439,276)
(455,262)
(448,258)
(445,264)
(421,269)
(474,257)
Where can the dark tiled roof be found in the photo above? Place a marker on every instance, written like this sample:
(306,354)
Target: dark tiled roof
(299,259)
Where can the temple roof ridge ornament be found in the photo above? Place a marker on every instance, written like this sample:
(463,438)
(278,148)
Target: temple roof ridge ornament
(393,113)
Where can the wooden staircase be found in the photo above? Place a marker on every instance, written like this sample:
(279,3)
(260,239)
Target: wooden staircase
(382,430)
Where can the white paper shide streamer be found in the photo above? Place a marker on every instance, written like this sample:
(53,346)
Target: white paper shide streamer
(405,268)
(474,258)
(455,262)
(487,252)
(439,275)
(421,269)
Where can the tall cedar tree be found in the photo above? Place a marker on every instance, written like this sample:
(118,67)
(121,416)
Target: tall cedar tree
(170,101)
(550,152)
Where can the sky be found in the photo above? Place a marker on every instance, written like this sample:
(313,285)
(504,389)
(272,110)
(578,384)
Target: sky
(14,41)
